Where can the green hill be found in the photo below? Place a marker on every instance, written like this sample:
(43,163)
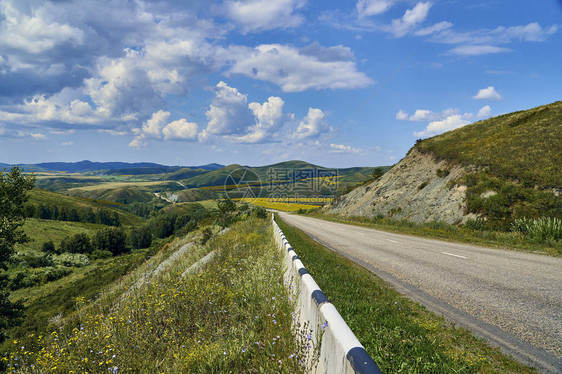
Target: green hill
(122,195)
(38,196)
(523,146)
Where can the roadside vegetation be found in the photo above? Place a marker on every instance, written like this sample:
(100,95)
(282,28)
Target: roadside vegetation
(400,335)
(235,315)
(473,232)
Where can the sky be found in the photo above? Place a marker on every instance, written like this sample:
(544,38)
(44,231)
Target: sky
(256,82)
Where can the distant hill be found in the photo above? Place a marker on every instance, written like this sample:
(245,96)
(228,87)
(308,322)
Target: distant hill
(499,169)
(116,167)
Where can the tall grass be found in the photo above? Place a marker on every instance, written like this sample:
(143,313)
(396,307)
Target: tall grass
(541,230)
(234,316)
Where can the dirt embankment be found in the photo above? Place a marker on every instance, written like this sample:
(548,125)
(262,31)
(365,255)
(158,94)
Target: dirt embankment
(417,188)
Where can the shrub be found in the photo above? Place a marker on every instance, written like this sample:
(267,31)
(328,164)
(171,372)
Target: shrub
(71,259)
(260,212)
(540,230)
(441,173)
(97,254)
(207,234)
(48,247)
(477,224)
(422,186)
(34,260)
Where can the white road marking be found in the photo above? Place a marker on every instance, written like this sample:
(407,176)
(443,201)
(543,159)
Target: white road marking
(392,241)
(451,254)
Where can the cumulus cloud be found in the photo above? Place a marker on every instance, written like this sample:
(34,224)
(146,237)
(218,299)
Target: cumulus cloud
(489,93)
(410,20)
(228,113)
(296,70)
(401,115)
(484,112)
(367,8)
(269,119)
(257,15)
(180,129)
(437,127)
(312,125)
(341,148)
(424,115)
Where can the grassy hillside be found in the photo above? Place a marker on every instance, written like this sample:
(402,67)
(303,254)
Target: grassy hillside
(38,196)
(123,195)
(185,173)
(524,146)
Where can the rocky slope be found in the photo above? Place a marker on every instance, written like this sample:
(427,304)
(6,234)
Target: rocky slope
(417,188)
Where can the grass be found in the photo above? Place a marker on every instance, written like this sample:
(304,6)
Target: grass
(234,316)
(400,335)
(523,146)
(448,232)
(41,230)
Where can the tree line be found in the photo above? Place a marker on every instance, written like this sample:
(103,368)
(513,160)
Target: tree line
(73,214)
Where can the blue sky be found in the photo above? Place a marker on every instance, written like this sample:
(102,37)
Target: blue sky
(255,82)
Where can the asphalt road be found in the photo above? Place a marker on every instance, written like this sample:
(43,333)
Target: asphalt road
(513,299)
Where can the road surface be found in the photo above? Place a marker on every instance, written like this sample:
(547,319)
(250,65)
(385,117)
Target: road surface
(513,299)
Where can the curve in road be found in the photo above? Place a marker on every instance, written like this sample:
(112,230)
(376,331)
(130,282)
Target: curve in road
(511,298)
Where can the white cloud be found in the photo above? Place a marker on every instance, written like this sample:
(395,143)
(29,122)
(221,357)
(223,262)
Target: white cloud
(294,70)
(38,136)
(436,28)
(489,93)
(477,50)
(484,112)
(153,126)
(180,129)
(256,15)
(424,115)
(341,148)
(411,18)
(401,115)
(65,144)
(437,127)
(312,125)
(373,7)
(34,34)
(269,119)
(228,113)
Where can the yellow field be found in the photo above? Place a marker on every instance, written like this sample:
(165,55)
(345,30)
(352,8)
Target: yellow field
(267,203)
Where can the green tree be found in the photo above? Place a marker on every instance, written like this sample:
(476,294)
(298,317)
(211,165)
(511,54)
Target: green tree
(226,208)
(78,243)
(13,194)
(140,237)
(111,239)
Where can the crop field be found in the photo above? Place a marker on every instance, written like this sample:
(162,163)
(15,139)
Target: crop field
(278,205)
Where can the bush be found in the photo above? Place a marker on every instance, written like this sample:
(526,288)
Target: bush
(48,247)
(540,230)
(97,254)
(477,224)
(422,186)
(34,260)
(441,173)
(260,212)
(71,259)
(207,234)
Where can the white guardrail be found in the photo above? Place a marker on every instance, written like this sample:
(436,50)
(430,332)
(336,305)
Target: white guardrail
(340,351)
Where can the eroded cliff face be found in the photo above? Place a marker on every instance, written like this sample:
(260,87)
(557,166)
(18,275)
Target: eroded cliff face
(417,188)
